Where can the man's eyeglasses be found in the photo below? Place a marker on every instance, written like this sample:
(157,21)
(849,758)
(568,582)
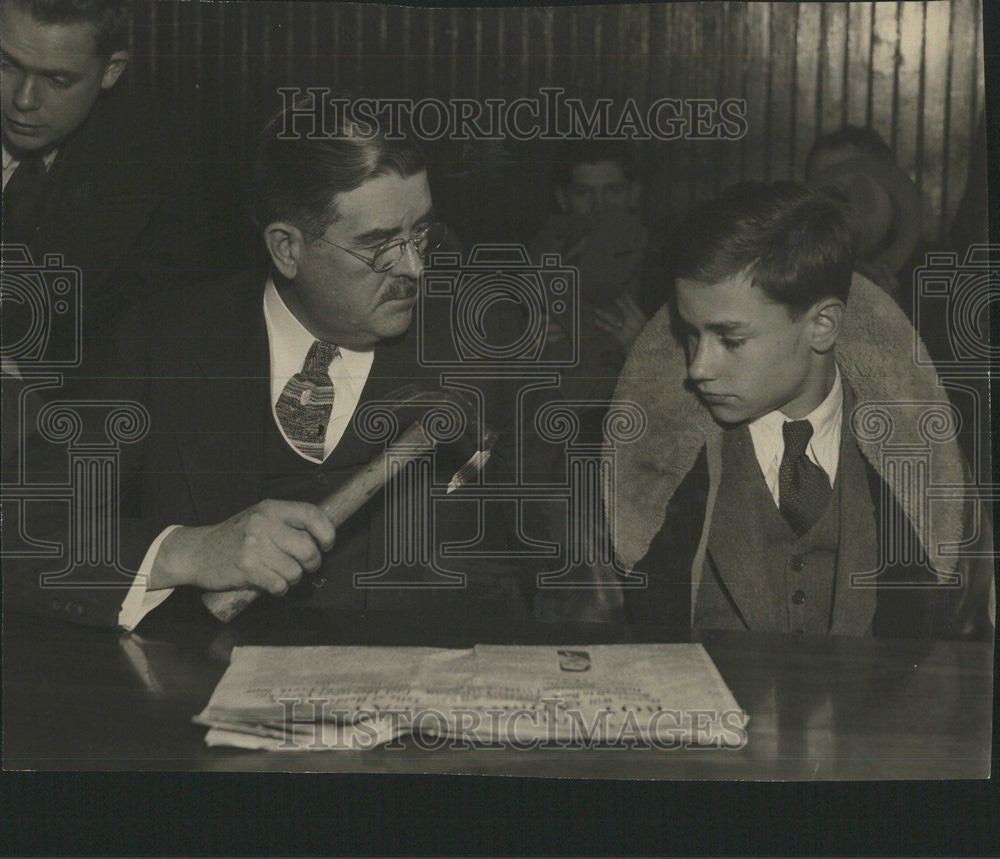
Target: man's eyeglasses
(389,253)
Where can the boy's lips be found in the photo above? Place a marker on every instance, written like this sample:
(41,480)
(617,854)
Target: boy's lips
(715,398)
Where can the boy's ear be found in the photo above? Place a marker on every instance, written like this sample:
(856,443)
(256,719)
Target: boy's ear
(826,321)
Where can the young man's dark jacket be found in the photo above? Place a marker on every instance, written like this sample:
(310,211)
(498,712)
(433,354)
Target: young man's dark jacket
(123,202)
(699,535)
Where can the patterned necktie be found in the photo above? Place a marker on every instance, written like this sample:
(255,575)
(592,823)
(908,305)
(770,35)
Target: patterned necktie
(306,403)
(803,487)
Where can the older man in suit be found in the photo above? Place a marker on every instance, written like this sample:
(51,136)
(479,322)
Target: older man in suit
(252,387)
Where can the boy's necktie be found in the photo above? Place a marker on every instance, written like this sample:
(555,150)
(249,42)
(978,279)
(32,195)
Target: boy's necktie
(803,487)
(306,403)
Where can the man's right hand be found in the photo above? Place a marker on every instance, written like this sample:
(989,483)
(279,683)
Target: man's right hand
(267,546)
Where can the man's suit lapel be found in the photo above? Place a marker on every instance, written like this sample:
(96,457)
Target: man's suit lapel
(395,364)
(738,551)
(221,413)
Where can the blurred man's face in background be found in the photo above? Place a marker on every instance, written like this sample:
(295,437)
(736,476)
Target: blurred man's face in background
(50,77)
(596,188)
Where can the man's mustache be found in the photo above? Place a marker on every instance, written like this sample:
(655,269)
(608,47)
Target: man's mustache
(402,287)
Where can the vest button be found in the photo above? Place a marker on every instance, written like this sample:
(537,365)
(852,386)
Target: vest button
(797,564)
(799,597)
(322,479)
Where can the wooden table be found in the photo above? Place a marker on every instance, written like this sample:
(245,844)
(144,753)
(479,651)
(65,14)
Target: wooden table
(76,698)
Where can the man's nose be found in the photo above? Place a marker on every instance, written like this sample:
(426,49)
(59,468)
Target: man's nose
(410,264)
(26,94)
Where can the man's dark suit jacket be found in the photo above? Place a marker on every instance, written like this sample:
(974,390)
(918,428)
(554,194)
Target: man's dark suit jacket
(197,361)
(123,201)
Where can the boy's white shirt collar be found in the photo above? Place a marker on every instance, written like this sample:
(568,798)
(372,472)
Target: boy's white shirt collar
(823,448)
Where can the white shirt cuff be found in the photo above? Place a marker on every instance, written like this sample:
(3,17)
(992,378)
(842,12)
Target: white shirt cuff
(139,601)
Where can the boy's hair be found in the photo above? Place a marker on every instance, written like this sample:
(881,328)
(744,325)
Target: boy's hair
(574,152)
(794,241)
(297,175)
(110,17)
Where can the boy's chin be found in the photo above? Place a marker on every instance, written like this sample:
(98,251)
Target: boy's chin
(726,413)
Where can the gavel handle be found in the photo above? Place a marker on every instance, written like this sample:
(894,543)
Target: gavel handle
(338,506)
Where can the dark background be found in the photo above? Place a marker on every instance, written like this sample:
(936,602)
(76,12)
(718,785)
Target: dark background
(912,70)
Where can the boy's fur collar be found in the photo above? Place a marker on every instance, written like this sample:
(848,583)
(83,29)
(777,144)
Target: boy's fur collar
(900,402)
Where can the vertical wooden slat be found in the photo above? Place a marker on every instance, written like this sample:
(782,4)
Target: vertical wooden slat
(909,102)
(682,29)
(622,50)
(757,74)
(153,49)
(962,97)
(199,50)
(335,63)
(220,75)
(291,46)
(175,50)
(781,91)
(661,154)
(261,48)
(359,48)
(934,119)
(453,51)
(733,85)
(809,43)
(711,49)
(833,68)
(884,54)
(313,36)
(859,63)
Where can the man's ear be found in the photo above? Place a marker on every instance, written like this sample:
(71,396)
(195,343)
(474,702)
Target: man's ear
(827,319)
(561,199)
(284,244)
(113,70)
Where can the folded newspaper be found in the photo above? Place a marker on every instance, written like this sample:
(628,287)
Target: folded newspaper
(353,698)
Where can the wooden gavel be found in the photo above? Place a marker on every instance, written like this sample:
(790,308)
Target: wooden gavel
(352,495)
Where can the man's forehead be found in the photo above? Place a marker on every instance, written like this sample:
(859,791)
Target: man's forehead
(388,202)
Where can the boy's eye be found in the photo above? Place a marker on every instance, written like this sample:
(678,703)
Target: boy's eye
(733,342)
